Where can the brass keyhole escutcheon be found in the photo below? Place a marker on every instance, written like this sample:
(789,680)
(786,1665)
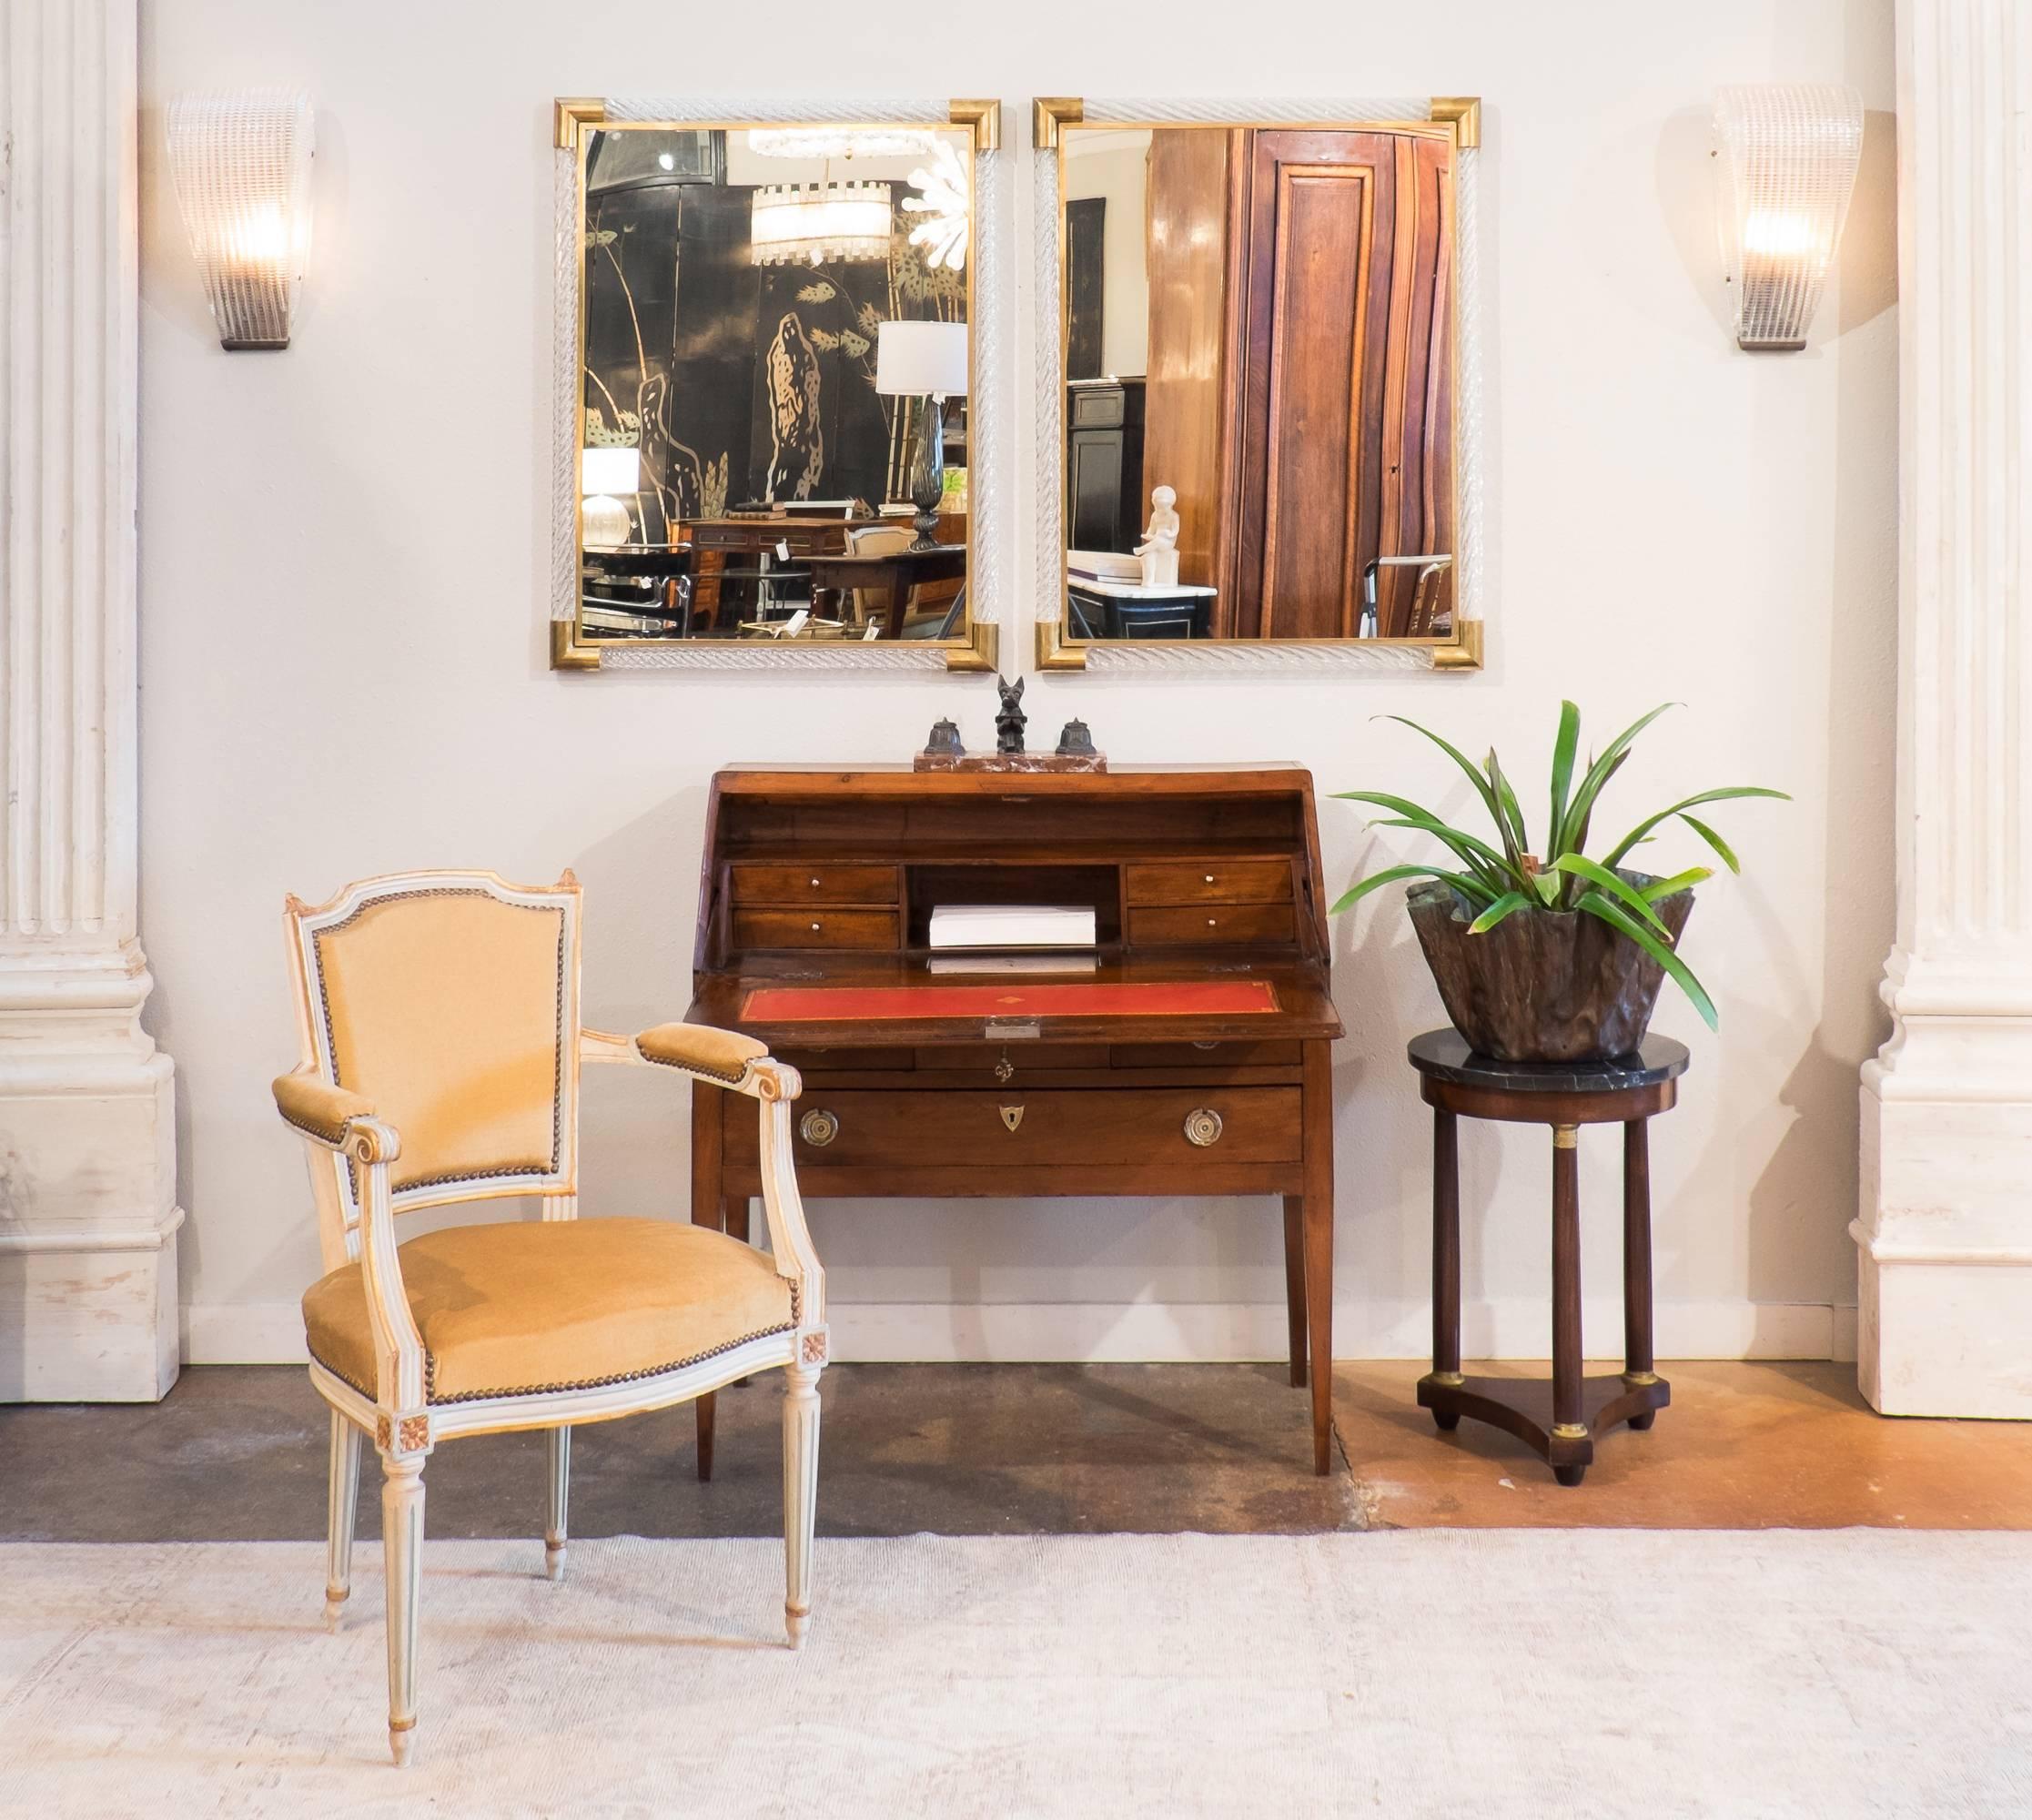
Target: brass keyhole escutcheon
(818,1128)
(1203,1126)
(1012,1116)
(1004,1069)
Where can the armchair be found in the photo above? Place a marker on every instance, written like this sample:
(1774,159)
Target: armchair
(438,1014)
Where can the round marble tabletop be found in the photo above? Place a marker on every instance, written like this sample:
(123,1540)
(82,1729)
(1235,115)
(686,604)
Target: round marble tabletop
(1444,1055)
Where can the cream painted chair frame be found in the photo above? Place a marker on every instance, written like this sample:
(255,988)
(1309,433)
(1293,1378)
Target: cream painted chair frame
(347,1142)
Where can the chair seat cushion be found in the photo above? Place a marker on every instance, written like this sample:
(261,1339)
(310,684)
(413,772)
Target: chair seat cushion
(523,1307)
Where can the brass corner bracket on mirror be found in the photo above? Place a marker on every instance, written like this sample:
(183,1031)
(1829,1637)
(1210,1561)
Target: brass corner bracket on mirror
(763,451)
(1237,468)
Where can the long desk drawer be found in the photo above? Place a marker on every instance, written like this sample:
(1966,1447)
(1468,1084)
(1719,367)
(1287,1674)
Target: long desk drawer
(1188,924)
(818,927)
(788,885)
(913,1128)
(1213,881)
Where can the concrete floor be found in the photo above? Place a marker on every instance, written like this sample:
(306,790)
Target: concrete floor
(239,1453)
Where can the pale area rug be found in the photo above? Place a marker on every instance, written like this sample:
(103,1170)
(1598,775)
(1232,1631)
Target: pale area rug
(1440,1673)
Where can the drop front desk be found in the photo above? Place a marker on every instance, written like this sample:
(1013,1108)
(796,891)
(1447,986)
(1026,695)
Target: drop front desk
(1193,1059)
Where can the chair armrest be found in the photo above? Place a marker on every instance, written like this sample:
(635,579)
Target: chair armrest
(335,1118)
(724,1058)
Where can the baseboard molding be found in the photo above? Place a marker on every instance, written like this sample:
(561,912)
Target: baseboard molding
(271,1333)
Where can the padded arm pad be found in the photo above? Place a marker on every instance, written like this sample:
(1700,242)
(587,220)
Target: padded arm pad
(718,1055)
(325,1112)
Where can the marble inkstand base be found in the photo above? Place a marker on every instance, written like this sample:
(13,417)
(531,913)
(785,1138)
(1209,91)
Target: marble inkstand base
(1560,1420)
(1075,752)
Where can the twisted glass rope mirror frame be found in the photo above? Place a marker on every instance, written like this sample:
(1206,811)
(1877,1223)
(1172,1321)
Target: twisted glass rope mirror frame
(989,310)
(1461,650)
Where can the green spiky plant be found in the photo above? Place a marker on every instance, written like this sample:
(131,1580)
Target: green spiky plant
(1496,882)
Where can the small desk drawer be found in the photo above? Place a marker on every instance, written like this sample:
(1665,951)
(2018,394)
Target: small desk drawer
(785,884)
(1098,407)
(819,928)
(1187,924)
(1213,881)
(1104,1127)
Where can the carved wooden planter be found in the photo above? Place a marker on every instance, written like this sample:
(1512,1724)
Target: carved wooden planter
(1542,986)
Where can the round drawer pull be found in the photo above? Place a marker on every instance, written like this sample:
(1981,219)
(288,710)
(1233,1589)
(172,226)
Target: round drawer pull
(818,1128)
(814,928)
(1203,1126)
(814,884)
(1209,878)
(1211,923)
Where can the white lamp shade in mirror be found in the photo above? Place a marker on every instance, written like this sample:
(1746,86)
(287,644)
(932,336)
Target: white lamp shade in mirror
(916,358)
(610,470)
(1785,159)
(240,163)
(819,223)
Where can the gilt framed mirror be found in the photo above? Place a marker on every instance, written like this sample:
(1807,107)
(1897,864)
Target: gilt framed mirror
(778,385)
(1261,384)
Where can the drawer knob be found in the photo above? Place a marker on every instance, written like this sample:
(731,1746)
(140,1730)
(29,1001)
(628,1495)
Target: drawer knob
(1209,878)
(1203,1126)
(814,928)
(814,884)
(1210,923)
(818,1128)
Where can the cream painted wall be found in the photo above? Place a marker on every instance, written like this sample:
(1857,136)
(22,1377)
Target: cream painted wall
(1116,165)
(342,553)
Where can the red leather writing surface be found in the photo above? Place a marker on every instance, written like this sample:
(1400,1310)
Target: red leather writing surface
(1141,999)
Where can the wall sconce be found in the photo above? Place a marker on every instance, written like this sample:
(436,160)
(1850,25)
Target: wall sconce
(241,164)
(1785,163)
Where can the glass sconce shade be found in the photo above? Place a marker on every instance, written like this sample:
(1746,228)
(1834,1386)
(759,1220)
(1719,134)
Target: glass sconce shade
(819,223)
(1785,157)
(240,162)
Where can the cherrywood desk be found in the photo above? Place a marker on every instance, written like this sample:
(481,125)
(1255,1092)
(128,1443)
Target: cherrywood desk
(892,573)
(1192,1059)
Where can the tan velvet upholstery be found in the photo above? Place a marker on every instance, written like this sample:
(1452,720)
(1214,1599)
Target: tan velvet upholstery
(724,1053)
(553,1305)
(444,1010)
(319,1107)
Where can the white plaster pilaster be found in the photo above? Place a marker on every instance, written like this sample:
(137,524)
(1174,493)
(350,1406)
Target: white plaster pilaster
(88,1177)
(1946,1226)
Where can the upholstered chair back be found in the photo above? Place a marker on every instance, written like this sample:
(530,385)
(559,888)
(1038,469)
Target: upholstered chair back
(451,1000)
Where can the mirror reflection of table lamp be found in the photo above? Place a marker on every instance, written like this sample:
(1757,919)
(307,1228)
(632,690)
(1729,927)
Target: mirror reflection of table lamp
(925,360)
(603,521)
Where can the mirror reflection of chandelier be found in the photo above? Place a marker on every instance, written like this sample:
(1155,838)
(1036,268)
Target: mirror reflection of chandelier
(816,224)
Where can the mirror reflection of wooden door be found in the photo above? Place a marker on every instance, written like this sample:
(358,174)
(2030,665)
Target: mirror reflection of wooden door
(1341,448)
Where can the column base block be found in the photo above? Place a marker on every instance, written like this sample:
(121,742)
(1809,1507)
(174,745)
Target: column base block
(88,1326)
(1945,1339)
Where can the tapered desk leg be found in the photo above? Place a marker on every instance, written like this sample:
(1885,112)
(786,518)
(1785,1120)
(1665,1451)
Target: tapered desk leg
(1318,1120)
(1567,1424)
(1446,1259)
(709,1207)
(1294,1283)
(1639,1367)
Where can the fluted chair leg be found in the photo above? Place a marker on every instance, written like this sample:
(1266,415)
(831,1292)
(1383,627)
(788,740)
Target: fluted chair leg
(800,1495)
(343,1500)
(402,1550)
(554,1527)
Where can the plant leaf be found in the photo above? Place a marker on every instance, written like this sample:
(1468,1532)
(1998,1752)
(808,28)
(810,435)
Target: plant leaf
(1599,774)
(1679,881)
(1515,841)
(1471,889)
(1565,746)
(1549,885)
(1682,976)
(1383,799)
(1496,912)
(1579,836)
(1714,840)
(1726,794)
(1460,758)
(1603,879)
(1481,858)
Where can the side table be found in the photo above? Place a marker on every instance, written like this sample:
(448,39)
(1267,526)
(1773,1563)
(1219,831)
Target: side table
(1559,1420)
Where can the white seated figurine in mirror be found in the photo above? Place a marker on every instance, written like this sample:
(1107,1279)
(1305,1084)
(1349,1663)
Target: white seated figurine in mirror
(1159,548)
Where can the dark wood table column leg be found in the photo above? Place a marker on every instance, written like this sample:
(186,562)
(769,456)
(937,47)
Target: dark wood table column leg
(1639,1367)
(1318,1120)
(1446,1259)
(1567,1425)
(709,1207)
(1294,1283)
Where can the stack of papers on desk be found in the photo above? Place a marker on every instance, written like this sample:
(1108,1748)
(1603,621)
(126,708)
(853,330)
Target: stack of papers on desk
(1012,925)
